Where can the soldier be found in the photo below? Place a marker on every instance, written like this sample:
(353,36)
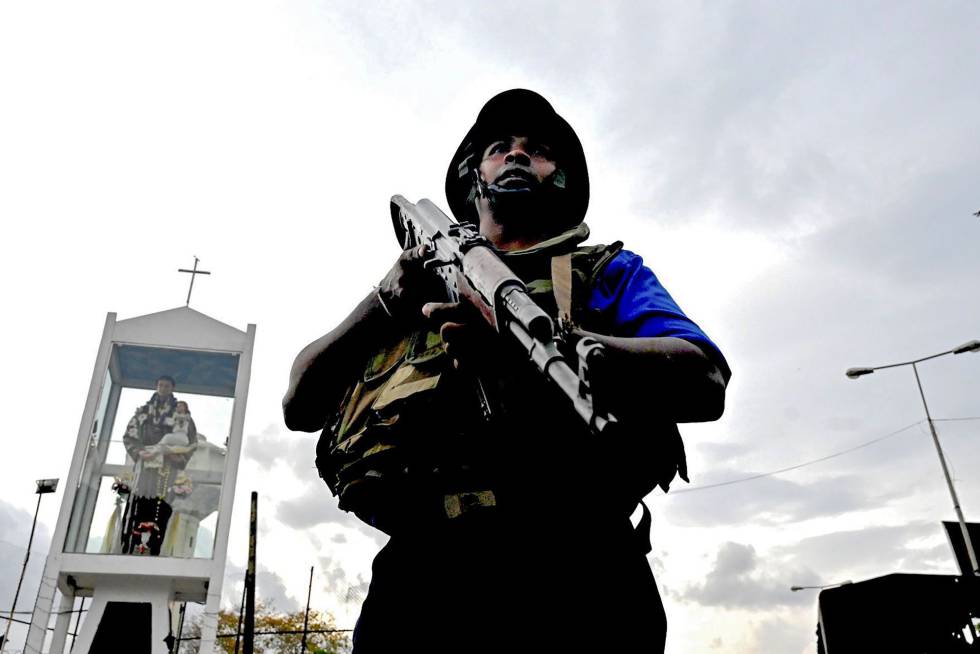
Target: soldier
(508,521)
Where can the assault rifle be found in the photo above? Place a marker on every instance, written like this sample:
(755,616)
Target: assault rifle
(470,269)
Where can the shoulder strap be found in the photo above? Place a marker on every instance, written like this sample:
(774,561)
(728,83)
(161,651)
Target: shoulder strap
(561,283)
(586,263)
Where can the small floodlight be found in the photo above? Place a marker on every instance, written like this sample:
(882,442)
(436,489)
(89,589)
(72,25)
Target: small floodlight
(854,373)
(970,346)
(46,486)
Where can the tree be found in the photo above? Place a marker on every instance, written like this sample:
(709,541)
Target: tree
(288,628)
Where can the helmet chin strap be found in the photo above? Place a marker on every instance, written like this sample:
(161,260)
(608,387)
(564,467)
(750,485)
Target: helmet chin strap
(547,198)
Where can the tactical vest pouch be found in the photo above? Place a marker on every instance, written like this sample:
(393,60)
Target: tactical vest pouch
(364,450)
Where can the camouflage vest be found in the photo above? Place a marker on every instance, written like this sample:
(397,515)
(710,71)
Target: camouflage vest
(413,424)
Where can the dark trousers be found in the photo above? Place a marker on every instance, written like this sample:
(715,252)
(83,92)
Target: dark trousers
(482,584)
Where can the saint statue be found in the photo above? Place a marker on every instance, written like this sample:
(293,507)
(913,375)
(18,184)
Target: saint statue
(160,439)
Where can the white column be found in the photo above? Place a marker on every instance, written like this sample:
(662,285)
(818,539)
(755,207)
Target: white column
(42,607)
(160,619)
(91,622)
(209,622)
(61,624)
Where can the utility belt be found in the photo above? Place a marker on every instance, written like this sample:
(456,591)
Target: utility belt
(479,511)
(410,512)
(433,499)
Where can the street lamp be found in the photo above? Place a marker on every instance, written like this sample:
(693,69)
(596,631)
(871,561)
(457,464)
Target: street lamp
(969,346)
(840,583)
(44,486)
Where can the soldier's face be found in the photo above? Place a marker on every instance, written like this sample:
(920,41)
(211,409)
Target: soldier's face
(164,388)
(517,162)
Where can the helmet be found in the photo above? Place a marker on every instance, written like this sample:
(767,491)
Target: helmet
(519,112)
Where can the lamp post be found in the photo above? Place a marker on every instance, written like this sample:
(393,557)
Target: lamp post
(970,346)
(839,583)
(44,486)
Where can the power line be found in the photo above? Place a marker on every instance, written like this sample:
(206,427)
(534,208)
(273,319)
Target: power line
(799,465)
(50,612)
(27,622)
(823,458)
(277,633)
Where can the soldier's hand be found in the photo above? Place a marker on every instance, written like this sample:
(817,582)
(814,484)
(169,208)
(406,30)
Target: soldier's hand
(468,338)
(407,286)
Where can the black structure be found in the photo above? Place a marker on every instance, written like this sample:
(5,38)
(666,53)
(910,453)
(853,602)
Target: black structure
(955,535)
(125,627)
(899,614)
(248,638)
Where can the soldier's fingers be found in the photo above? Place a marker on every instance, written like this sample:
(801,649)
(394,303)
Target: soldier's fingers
(462,343)
(440,312)
(453,333)
(417,253)
(412,259)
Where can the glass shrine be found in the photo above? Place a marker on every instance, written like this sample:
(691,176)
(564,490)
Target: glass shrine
(144,520)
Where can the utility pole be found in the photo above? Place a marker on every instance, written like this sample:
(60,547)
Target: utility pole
(241,614)
(306,616)
(949,480)
(78,621)
(248,646)
(44,486)
(180,626)
(969,346)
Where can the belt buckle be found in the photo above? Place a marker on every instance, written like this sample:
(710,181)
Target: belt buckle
(456,504)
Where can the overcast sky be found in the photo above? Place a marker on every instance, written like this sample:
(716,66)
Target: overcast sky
(802,178)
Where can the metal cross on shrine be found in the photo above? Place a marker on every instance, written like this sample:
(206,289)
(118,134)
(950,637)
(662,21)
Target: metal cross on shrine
(193,273)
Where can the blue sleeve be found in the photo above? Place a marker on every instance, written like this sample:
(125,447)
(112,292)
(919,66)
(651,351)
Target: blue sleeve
(630,297)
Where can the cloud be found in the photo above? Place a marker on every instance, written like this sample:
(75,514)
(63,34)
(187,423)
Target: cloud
(315,507)
(772,500)
(269,588)
(864,551)
(780,115)
(740,580)
(265,447)
(15,529)
(776,118)
(782,634)
(318,507)
(270,447)
(719,451)
(340,585)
